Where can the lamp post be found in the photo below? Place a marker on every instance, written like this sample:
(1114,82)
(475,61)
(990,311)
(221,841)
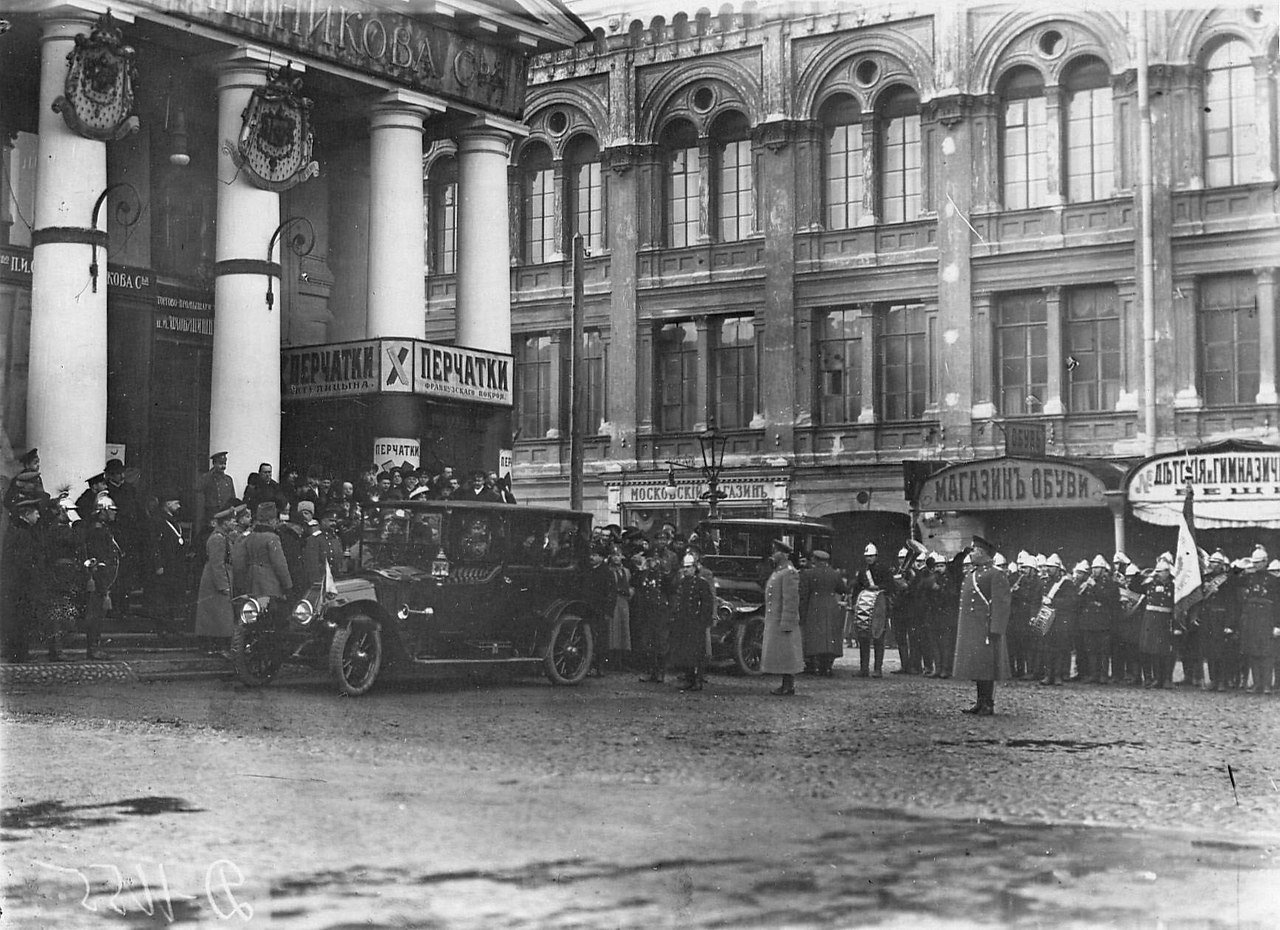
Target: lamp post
(712,443)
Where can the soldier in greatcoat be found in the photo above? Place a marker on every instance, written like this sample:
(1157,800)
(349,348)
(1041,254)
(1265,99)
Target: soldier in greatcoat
(258,566)
(1219,621)
(693,605)
(782,648)
(820,589)
(214,492)
(1155,636)
(981,653)
(215,621)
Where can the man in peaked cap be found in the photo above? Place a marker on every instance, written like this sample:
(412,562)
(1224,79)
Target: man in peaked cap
(981,653)
(214,492)
(87,502)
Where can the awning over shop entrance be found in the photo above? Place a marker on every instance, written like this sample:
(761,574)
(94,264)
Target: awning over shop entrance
(1236,485)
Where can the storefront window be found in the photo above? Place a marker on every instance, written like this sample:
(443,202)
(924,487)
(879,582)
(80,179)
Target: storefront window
(1093,349)
(1021,353)
(839,367)
(733,361)
(1228,341)
(676,384)
(904,362)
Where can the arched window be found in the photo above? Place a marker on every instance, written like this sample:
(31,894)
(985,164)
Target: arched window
(735,186)
(537,191)
(586,192)
(843,178)
(1024,152)
(683,184)
(442,217)
(900,157)
(1230,133)
(1090,147)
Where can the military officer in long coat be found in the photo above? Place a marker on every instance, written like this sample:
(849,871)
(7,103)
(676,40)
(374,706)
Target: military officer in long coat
(981,653)
(782,651)
(214,619)
(258,566)
(820,590)
(214,492)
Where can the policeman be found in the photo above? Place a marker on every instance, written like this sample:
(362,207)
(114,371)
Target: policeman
(981,653)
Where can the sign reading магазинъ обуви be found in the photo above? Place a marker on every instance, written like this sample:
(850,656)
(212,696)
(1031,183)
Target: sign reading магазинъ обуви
(1011,483)
(379,366)
(426,56)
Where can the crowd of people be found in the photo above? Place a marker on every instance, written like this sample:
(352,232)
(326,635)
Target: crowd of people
(71,560)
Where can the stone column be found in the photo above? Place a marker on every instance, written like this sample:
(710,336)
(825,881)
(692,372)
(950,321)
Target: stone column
(1266,336)
(556,386)
(484,254)
(984,407)
(704,393)
(244,415)
(67,378)
(622,217)
(706,170)
(397,270)
(1053,405)
(870,408)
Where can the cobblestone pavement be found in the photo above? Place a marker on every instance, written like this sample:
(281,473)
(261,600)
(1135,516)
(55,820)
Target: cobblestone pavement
(510,803)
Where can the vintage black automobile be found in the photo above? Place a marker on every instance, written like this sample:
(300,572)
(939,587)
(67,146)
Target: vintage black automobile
(737,551)
(436,585)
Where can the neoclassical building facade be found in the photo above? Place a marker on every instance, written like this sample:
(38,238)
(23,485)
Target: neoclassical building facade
(850,238)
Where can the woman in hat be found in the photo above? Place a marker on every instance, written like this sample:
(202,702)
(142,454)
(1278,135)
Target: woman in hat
(214,617)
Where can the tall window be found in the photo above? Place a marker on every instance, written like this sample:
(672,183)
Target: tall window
(534,356)
(1090,157)
(1228,340)
(676,365)
(1093,346)
(904,362)
(537,178)
(839,367)
(735,188)
(733,372)
(1024,153)
(1022,353)
(587,192)
(1230,129)
(442,217)
(901,158)
(684,184)
(594,409)
(843,181)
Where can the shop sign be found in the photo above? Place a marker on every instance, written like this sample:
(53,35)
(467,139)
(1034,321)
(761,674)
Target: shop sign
(1011,483)
(1024,439)
(340,370)
(455,373)
(16,264)
(1220,476)
(392,452)
(426,56)
(184,313)
(690,492)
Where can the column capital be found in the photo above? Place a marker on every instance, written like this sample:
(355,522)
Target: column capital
(244,66)
(775,135)
(622,158)
(950,110)
(488,123)
(402,109)
(1265,275)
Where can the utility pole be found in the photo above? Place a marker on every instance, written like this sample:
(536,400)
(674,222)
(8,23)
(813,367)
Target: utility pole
(575,379)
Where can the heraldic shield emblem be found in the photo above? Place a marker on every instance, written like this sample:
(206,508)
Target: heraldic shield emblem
(274,148)
(98,95)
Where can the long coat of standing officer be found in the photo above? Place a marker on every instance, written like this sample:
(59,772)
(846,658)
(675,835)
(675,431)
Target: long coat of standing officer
(820,590)
(981,654)
(214,492)
(782,650)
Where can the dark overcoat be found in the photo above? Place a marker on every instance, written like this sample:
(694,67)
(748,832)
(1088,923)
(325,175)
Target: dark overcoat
(213,609)
(258,567)
(693,608)
(1257,614)
(820,590)
(981,651)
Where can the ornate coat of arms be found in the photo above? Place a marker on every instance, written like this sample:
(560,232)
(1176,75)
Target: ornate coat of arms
(274,148)
(98,98)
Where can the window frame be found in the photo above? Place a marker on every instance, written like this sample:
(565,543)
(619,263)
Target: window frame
(1028,385)
(850,399)
(903,201)
(915,364)
(1241,301)
(537,188)
(848,210)
(1240,129)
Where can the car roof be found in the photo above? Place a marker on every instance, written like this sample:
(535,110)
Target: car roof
(478,506)
(767,523)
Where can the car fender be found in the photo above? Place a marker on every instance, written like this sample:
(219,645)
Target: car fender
(553,611)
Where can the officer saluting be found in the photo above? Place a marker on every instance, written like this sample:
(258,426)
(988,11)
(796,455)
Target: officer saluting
(981,653)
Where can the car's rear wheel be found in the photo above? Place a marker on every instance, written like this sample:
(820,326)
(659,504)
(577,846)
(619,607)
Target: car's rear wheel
(569,650)
(355,656)
(748,642)
(253,655)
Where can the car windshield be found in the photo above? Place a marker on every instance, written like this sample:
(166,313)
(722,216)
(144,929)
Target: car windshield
(725,543)
(395,536)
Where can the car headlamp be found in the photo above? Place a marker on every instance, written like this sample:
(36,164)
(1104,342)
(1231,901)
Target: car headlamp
(249,611)
(304,613)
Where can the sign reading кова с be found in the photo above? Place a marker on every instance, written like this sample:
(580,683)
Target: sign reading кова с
(1010,483)
(395,366)
(425,56)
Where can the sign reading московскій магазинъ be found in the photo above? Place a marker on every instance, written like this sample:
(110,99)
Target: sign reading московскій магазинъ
(428,57)
(377,366)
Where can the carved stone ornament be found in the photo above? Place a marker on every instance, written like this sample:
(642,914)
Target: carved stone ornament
(274,148)
(98,96)
(952,109)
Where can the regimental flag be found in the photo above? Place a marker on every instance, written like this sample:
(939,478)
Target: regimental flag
(1188,582)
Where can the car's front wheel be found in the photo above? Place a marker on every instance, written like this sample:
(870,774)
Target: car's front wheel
(253,654)
(569,650)
(355,656)
(748,641)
